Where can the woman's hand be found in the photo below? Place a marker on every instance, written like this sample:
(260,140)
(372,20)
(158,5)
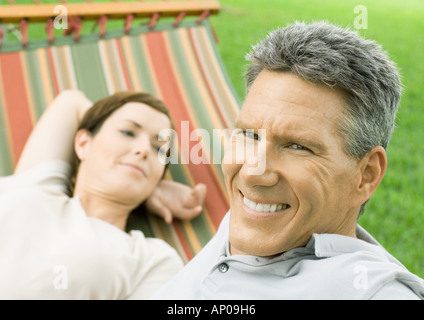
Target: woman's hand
(172,199)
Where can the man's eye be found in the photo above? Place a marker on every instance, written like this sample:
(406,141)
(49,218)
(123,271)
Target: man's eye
(296,146)
(251,135)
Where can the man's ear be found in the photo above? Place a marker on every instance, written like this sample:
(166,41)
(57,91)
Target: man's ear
(373,167)
(81,143)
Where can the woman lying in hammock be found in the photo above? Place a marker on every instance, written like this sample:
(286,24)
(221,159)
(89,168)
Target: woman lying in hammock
(57,244)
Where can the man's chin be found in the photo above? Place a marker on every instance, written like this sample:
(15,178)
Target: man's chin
(253,245)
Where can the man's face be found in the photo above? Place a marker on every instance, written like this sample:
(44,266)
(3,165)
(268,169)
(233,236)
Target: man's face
(308,182)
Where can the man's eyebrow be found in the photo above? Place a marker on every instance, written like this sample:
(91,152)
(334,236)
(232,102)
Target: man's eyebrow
(241,124)
(309,140)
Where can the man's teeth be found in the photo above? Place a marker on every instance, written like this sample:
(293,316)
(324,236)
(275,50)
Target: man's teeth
(261,207)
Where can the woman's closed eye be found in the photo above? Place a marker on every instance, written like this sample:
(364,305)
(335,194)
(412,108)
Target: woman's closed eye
(128,133)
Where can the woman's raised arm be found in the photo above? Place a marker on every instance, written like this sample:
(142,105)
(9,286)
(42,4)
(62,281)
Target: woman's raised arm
(53,136)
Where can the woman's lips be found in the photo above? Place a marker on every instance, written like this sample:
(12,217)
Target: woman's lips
(136,168)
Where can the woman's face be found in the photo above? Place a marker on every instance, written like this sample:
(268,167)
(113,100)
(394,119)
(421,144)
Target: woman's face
(121,161)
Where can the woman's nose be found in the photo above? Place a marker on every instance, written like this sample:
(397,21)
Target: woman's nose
(142,146)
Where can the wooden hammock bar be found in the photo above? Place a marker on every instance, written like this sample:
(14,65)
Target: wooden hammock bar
(39,12)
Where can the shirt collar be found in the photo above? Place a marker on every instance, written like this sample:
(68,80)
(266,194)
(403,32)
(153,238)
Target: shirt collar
(331,245)
(320,245)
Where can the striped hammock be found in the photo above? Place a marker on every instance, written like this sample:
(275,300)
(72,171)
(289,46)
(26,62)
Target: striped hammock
(179,65)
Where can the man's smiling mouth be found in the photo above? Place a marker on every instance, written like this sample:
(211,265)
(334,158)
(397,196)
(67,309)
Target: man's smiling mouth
(264,207)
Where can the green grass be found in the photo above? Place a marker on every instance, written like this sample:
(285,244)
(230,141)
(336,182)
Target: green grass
(395,214)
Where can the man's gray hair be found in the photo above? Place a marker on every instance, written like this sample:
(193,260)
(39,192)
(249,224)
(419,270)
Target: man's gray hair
(336,57)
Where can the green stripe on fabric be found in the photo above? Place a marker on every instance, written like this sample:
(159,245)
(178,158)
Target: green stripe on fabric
(187,238)
(141,65)
(190,85)
(226,103)
(6,166)
(208,27)
(199,223)
(88,70)
(36,89)
(201,227)
(178,174)
(196,106)
(112,63)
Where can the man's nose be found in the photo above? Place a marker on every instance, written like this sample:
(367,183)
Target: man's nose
(269,178)
(260,171)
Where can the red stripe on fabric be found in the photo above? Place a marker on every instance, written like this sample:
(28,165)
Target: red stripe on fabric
(205,78)
(187,250)
(16,99)
(123,65)
(216,202)
(53,75)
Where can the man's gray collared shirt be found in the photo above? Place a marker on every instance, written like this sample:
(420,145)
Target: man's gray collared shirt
(330,266)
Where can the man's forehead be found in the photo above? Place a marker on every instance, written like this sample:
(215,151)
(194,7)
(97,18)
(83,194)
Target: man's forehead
(289,88)
(279,123)
(286,98)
